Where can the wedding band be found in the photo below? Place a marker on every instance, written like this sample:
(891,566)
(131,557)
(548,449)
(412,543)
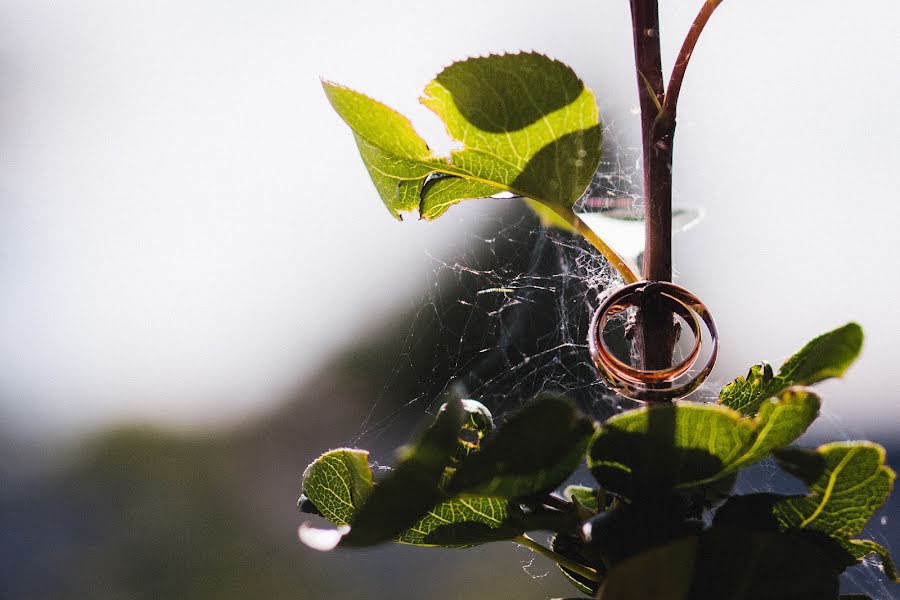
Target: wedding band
(652,384)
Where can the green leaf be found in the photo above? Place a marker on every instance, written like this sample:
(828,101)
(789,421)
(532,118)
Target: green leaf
(828,355)
(859,549)
(531,453)
(338,483)
(779,422)
(584,496)
(688,445)
(440,193)
(528,126)
(406,493)
(525,121)
(854,484)
(466,521)
(411,488)
(394,154)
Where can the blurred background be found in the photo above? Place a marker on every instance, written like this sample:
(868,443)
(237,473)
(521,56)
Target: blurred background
(200,290)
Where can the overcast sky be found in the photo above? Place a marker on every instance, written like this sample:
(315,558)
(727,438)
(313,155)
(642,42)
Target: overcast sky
(186,228)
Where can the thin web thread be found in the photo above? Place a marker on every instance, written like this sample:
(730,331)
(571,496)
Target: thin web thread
(515,325)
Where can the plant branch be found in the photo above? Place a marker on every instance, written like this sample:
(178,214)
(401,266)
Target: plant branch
(575,567)
(656,330)
(670,102)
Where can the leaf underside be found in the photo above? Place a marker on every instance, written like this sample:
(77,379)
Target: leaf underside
(854,484)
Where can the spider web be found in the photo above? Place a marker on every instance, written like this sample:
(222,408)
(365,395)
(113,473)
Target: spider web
(508,319)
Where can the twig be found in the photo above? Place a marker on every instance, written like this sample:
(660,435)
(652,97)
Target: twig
(670,102)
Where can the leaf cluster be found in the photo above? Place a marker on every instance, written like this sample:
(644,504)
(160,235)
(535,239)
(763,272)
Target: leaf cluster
(660,520)
(661,502)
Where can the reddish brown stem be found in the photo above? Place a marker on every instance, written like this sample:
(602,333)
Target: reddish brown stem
(655,333)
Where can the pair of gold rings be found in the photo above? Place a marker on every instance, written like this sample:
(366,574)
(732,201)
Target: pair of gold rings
(670,383)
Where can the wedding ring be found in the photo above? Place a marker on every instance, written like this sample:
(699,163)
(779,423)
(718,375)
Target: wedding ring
(653,384)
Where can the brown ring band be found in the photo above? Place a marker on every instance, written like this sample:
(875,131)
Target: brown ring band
(651,384)
(633,374)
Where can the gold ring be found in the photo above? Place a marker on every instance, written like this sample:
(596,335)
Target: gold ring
(652,384)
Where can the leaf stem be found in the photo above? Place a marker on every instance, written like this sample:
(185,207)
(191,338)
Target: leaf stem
(568,215)
(575,567)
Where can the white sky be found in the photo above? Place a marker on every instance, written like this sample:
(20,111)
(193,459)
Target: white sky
(186,229)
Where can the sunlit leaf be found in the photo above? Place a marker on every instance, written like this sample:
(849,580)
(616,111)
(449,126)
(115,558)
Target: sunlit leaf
(440,193)
(527,124)
(853,485)
(525,121)
(584,496)
(780,420)
(405,495)
(533,452)
(411,487)
(828,355)
(686,445)
(465,521)
(338,483)
(394,154)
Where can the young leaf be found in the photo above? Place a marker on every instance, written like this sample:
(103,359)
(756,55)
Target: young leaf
(854,484)
(584,496)
(826,356)
(338,483)
(531,453)
(683,446)
(466,521)
(527,123)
